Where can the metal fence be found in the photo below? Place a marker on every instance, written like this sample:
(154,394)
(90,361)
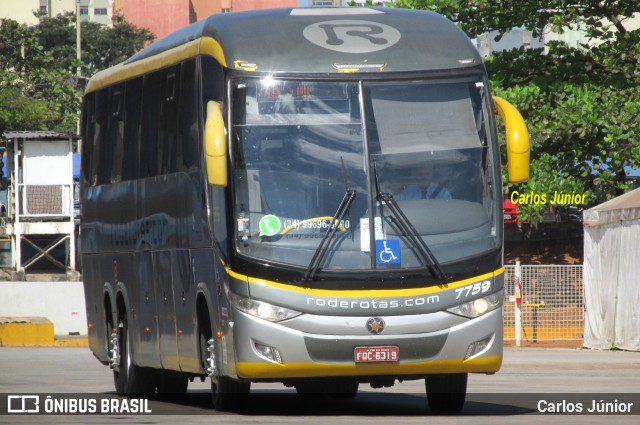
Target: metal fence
(552,303)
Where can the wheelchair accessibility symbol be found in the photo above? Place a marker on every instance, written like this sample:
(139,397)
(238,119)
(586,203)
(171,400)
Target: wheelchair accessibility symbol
(388,251)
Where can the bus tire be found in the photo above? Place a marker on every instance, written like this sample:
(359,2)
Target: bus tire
(109,335)
(129,378)
(172,385)
(307,390)
(328,388)
(446,393)
(228,394)
(346,390)
(205,334)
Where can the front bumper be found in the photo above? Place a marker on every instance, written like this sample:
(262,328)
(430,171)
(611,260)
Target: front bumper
(428,344)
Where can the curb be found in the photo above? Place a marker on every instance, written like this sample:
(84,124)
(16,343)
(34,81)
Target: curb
(35,332)
(26,332)
(71,341)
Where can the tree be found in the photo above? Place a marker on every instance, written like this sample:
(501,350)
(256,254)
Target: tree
(101,46)
(34,94)
(602,18)
(38,86)
(581,103)
(106,47)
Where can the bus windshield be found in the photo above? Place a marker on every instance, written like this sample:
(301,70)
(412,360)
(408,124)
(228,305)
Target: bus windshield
(300,148)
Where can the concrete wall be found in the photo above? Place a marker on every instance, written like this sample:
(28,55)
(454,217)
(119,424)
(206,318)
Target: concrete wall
(60,302)
(204,8)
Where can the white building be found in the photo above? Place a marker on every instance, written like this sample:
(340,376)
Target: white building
(518,37)
(23,11)
(578,36)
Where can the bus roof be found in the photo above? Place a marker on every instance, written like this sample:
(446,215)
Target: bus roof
(311,40)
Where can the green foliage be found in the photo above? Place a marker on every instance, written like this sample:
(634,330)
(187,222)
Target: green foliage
(602,18)
(580,109)
(101,47)
(20,112)
(581,103)
(58,37)
(106,47)
(34,93)
(38,86)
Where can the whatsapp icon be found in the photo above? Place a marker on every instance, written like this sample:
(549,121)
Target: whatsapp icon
(269,225)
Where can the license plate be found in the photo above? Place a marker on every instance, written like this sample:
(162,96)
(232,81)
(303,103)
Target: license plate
(507,216)
(385,353)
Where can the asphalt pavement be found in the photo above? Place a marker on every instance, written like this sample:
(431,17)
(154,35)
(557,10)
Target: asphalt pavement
(535,385)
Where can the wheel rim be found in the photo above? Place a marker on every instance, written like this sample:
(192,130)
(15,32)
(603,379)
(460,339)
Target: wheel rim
(127,347)
(113,348)
(208,355)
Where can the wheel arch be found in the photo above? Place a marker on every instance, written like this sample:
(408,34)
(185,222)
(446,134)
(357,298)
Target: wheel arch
(204,307)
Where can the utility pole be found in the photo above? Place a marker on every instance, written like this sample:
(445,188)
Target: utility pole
(78,49)
(78,54)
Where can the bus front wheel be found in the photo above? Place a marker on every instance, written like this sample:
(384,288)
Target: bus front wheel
(446,393)
(228,394)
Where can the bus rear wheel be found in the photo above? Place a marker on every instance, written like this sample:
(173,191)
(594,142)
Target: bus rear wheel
(446,393)
(130,379)
(171,385)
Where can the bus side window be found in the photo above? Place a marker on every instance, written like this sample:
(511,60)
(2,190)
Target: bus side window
(168,123)
(133,106)
(212,81)
(116,133)
(219,218)
(152,93)
(88,129)
(99,135)
(189,148)
(213,89)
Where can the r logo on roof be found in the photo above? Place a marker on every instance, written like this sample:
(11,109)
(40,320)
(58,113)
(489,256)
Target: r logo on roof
(352,36)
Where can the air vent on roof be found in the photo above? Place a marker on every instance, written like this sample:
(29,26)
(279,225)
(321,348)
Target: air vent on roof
(334,11)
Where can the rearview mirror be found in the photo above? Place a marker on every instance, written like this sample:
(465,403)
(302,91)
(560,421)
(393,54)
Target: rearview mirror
(517,141)
(215,145)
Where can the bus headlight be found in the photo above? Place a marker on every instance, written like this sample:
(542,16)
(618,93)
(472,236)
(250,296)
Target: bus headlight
(266,311)
(479,306)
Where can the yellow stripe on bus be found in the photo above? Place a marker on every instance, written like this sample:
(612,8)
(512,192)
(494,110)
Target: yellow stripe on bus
(122,72)
(364,292)
(210,46)
(305,369)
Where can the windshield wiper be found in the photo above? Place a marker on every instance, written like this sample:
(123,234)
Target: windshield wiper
(322,249)
(342,210)
(424,254)
(410,232)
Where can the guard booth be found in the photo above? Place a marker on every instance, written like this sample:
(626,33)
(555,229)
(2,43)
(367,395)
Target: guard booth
(40,201)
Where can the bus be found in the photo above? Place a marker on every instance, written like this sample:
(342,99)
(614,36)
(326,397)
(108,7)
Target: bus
(249,210)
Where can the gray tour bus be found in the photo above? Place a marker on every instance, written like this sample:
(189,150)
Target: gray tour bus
(305,196)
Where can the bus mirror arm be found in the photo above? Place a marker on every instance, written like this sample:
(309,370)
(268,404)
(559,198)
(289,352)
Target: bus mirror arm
(215,145)
(517,141)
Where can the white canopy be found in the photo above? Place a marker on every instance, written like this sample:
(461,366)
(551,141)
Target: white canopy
(612,274)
